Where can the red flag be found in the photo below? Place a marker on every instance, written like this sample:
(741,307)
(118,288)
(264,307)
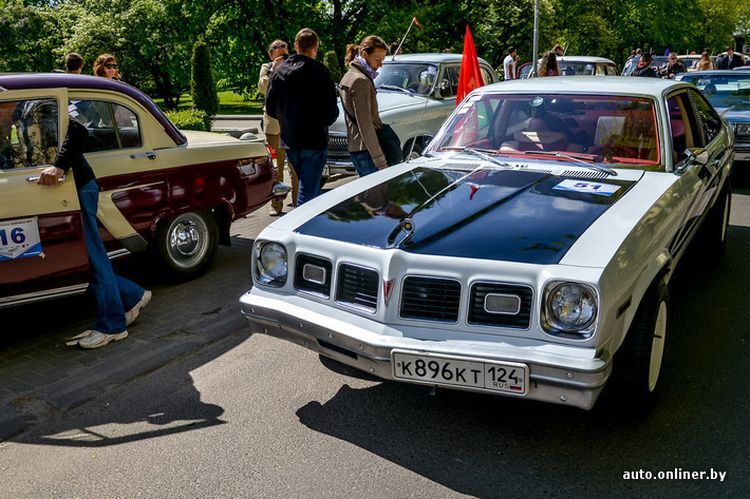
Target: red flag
(470,76)
(416,21)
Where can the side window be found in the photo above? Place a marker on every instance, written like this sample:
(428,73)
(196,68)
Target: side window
(449,82)
(111,126)
(599,71)
(707,116)
(28,133)
(684,127)
(486,76)
(611,70)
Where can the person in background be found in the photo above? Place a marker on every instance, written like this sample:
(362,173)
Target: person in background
(509,64)
(278,53)
(673,67)
(73,63)
(119,301)
(395,49)
(302,96)
(548,66)
(357,90)
(644,67)
(558,50)
(734,60)
(106,66)
(704,63)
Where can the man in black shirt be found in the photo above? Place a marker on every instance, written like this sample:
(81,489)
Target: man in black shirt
(302,96)
(119,301)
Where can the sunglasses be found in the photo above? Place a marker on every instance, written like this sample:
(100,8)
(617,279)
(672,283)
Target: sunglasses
(278,46)
(110,66)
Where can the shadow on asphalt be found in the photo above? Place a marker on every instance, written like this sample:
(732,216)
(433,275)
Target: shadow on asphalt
(471,443)
(165,402)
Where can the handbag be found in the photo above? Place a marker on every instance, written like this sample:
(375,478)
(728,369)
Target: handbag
(390,144)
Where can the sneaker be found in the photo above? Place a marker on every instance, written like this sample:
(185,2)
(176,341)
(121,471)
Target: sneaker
(132,314)
(275,213)
(75,339)
(96,339)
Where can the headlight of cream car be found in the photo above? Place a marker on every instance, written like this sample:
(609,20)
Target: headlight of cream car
(271,264)
(569,307)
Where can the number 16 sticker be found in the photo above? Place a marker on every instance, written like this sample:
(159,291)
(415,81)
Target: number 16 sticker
(20,239)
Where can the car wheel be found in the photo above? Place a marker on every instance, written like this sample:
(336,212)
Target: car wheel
(187,243)
(415,152)
(717,223)
(638,362)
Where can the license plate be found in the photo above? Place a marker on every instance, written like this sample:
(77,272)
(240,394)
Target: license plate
(506,377)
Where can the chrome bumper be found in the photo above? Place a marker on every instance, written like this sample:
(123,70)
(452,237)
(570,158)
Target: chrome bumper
(563,379)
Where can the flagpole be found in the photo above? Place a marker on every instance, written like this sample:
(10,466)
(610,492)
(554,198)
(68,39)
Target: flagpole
(535,54)
(405,35)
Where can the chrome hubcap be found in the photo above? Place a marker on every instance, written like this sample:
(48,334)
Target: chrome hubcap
(657,346)
(188,240)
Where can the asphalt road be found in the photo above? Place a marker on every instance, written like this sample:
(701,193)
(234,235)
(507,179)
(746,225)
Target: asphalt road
(254,416)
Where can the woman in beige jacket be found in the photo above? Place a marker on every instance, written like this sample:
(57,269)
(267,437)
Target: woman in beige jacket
(357,91)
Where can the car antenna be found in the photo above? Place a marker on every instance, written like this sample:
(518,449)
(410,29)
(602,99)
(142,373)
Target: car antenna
(401,44)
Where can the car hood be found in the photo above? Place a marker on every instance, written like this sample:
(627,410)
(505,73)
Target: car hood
(735,116)
(498,214)
(201,138)
(387,101)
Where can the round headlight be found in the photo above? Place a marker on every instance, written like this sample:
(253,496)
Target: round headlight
(571,307)
(272,264)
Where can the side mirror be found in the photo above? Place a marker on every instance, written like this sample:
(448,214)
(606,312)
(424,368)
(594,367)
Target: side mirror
(445,89)
(697,155)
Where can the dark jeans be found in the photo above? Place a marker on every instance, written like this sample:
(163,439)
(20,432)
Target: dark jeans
(309,164)
(113,294)
(363,163)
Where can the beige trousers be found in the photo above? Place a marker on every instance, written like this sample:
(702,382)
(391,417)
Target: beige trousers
(274,141)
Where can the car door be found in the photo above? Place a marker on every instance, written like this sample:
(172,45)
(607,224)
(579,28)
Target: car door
(697,182)
(126,164)
(42,250)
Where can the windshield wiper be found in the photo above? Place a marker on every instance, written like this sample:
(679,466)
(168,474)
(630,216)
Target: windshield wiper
(396,88)
(579,160)
(482,153)
(730,108)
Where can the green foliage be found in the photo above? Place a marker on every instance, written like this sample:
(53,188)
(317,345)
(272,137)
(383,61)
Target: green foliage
(190,119)
(202,86)
(332,63)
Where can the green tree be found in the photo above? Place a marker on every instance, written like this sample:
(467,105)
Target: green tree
(202,86)
(332,63)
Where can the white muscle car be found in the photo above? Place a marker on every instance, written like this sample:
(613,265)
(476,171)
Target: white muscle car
(528,253)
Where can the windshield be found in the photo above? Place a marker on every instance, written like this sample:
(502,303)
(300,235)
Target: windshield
(414,77)
(724,91)
(632,63)
(599,129)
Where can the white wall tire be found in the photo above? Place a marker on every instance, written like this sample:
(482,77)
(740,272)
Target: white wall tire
(186,244)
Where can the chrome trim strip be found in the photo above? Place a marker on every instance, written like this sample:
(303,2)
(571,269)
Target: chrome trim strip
(42,295)
(118,253)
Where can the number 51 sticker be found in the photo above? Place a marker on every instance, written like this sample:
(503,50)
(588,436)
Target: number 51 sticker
(20,239)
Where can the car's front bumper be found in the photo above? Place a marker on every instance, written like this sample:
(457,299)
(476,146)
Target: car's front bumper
(559,374)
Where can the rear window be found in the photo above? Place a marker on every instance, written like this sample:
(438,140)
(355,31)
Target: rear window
(28,133)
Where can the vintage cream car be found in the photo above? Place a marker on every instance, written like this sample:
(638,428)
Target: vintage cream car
(528,253)
(161,189)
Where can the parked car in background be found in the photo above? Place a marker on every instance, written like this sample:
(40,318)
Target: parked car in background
(174,193)
(729,93)
(577,65)
(528,253)
(657,61)
(691,60)
(416,93)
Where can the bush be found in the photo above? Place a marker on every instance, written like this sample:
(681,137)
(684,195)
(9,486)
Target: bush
(190,119)
(332,63)
(202,85)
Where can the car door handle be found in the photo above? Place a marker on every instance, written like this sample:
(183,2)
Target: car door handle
(35,178)
(149,155)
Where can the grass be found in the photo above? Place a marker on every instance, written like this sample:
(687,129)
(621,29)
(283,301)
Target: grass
(229,103)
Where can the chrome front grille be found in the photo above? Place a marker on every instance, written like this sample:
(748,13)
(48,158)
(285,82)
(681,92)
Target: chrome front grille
(430,299)
(338,147)
(357,286)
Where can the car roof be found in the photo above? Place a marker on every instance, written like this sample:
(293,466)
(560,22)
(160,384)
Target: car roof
(435,58)
(710,72)
(584,58)
(595,85)
(23,81)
